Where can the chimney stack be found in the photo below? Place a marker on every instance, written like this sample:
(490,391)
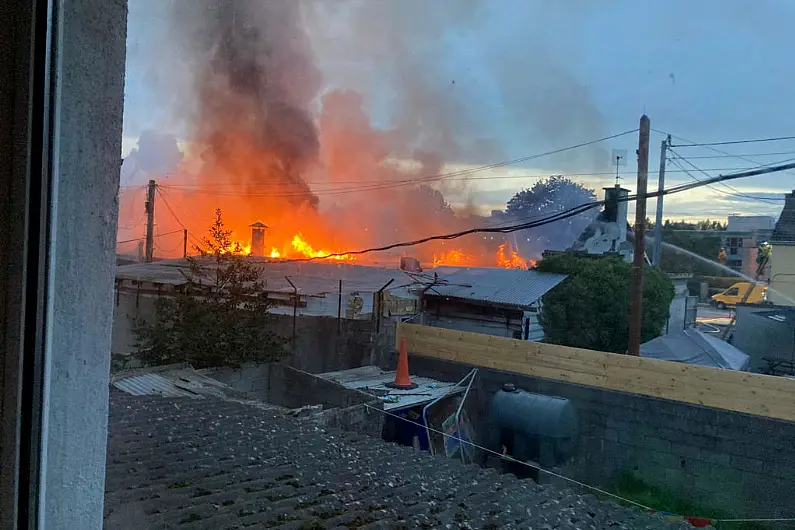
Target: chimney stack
(258,239)
(616,208)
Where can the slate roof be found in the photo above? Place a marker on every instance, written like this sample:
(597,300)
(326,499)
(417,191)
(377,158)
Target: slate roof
(191,464)
(507,287)
(784,232)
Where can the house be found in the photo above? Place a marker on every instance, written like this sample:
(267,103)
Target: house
(782,273)
(499,302)
(741,240)
(607,234)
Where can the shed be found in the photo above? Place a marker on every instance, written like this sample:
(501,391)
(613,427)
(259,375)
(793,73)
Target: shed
(692,346)
(499,302)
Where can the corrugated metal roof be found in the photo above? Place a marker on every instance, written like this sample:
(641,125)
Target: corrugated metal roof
(511,287)
(170,383)
(151,384)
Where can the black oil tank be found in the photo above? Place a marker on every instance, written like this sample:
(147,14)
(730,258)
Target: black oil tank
(533,427)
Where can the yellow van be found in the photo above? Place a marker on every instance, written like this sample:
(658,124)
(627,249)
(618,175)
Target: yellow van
(734,295)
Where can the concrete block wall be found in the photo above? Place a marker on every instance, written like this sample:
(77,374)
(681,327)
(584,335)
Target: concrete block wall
(740,464)
(322,344)
(288,387)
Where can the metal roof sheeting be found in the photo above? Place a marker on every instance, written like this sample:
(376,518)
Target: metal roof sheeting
(510,287)
(170,383)
(151,384)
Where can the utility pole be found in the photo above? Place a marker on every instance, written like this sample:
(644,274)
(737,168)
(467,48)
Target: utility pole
(150,220)
(636,288)
(657,256)
(185,243)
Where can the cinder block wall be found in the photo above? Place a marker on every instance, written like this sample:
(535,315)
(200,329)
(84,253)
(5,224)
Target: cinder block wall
(741,464)
(288,387)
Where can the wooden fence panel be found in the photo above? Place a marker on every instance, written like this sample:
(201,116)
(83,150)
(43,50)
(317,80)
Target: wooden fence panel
(757,394)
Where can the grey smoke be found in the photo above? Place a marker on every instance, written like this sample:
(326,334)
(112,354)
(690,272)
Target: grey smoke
(253,80)
(401,47)
(157,155)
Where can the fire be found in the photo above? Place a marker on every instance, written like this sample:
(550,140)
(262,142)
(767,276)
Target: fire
(237,247)
(275,253)
(452,257)
(508,258)
(300,245)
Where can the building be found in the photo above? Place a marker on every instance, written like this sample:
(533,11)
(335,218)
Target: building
(499,302)
(782,272)
(741,240)
(607,234)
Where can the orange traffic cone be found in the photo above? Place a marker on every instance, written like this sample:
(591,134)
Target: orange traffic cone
(402,380)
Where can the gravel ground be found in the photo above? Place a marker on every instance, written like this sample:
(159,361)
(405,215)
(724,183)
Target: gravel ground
(211,464)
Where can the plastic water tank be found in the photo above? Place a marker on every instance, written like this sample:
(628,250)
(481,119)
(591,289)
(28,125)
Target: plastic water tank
(533,427)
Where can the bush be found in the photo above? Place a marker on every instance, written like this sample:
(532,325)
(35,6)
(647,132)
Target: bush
(590,309)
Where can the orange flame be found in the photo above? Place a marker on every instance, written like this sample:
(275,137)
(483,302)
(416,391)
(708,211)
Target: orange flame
(237,247)
(452,257)
(300,245)
(508,258)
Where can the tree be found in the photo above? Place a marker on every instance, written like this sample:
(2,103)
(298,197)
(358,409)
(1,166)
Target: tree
(218,318)
(681,240)
(549,196)
(590,309)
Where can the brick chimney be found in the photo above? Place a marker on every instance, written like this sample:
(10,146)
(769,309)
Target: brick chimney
(616,209)
(258,239)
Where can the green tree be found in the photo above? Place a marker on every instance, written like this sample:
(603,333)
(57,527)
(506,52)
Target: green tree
(549,196)
(702,238)
(590,309)
(219,317)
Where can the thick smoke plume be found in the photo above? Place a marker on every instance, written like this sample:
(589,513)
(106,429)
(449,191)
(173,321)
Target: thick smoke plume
(328,154)
(254,80)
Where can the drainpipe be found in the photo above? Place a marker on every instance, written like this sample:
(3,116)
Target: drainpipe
(295,311)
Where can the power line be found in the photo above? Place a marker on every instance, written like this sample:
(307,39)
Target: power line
(716,150)
(142,238)
(557,216)
(174,215)
(213,188)
(200,190)
(737,193)
(460,173)
(729,155)
(735,142)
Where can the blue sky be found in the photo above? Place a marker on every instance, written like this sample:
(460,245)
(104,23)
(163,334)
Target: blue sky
(530,76)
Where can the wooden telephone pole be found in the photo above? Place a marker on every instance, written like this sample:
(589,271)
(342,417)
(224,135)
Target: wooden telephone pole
(150,221)
(636,289)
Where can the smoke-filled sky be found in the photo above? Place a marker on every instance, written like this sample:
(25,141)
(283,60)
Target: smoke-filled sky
(459,83)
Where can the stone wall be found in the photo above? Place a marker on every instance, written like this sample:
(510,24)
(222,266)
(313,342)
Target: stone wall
(737,463)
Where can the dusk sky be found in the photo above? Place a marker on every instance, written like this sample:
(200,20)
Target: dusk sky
(525,77)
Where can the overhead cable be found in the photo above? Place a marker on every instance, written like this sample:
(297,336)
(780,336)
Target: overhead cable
(559,215)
